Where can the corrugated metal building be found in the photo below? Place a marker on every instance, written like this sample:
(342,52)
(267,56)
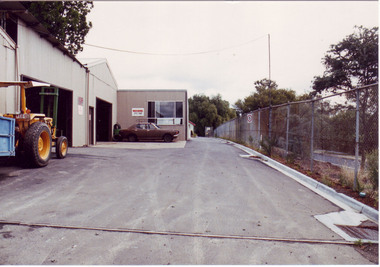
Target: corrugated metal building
(89,101)
(102,102)
(87,91)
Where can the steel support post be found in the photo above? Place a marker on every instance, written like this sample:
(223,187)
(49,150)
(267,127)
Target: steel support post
(259,126)
(356,143)
(55,106)
(287,128)
(270,123)
(55,94)
(312,138)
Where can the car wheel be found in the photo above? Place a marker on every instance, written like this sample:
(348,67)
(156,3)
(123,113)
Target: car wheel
(168,138)
(117,138)
(132,138)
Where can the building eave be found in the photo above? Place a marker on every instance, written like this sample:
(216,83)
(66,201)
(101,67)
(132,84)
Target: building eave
(17,9)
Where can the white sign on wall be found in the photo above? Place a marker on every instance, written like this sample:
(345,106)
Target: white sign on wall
(137,112)
(80,105)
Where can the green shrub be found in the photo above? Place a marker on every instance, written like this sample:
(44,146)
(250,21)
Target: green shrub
(373,168)
(268,144)
(347,177)
(290,158)
(327,181)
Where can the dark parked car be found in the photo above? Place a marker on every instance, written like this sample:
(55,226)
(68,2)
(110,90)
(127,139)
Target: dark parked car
(147,131)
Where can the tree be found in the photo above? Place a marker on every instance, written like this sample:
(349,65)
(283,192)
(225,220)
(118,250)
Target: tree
(66,20)
(351,63)
(305,96)
(225,113)
(267,93)
(212,112)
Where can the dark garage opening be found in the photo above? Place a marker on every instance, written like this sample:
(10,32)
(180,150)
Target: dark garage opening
(65,107)
(103,120)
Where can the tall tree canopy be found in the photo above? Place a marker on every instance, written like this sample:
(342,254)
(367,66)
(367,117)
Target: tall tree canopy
(350,63)
(66,20)
(209,112)
(267,93)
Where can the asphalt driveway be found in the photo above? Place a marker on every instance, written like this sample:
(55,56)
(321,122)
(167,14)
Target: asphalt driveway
(197,204)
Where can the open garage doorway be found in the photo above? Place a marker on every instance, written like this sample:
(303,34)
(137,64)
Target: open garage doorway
(103,120)
(38,104)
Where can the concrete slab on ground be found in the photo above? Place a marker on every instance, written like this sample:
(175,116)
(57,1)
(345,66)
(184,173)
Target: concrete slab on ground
(141,145)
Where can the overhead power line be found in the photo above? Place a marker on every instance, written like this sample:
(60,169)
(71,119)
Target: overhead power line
(175,54)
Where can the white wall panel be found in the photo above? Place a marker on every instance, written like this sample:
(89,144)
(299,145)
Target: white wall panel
(8,95)
(39,60)
(103,86)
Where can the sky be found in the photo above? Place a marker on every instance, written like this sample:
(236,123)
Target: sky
(220,47)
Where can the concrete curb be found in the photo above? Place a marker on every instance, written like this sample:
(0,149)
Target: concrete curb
(329,193)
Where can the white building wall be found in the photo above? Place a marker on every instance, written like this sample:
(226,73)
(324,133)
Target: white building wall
(39,60)
(102,84)
(8,95)
(103,72)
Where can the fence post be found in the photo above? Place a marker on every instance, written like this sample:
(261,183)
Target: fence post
(270,122)
(312,137)
(356,142)
(239,133)
(259,130)
(287,128)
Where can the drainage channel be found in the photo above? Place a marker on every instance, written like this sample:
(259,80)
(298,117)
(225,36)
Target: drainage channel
(352,226)
(366,230)
(181,234)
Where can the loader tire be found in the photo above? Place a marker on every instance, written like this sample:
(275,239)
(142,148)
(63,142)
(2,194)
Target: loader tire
(61,147)
(37,144)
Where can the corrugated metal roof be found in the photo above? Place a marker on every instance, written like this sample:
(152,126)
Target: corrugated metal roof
(21,12)
(91,62)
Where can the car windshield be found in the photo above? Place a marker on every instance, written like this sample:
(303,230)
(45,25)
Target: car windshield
(155,125)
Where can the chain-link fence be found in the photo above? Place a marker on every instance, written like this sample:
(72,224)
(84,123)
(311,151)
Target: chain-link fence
(341,129)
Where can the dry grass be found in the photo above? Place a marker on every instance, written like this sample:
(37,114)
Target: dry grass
(347,177)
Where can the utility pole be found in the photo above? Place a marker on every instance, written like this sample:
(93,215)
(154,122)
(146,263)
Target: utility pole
(270,93)
(269,56)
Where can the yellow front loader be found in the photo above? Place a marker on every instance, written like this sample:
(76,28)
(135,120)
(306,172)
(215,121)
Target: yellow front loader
(35,134)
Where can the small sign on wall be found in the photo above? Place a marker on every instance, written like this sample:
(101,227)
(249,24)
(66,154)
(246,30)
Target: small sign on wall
(137,112)
(80,105)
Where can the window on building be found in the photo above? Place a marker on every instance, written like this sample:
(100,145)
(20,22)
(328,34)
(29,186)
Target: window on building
(165,112)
